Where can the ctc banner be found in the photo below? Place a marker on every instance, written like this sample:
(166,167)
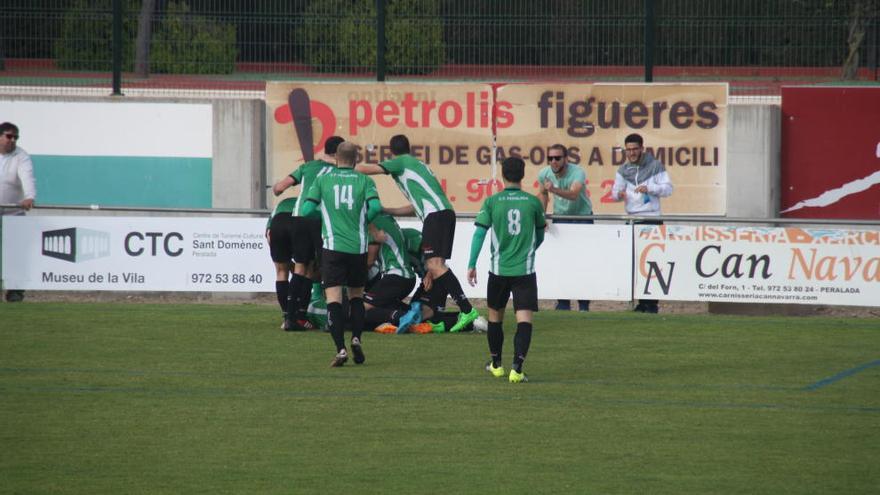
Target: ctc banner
(758,264)
(231,255)
(463,130)
(137,254)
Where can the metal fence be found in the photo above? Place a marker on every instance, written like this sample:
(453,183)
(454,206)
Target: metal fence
(756,45)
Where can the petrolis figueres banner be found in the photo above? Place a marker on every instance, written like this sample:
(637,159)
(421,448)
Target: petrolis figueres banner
(758,264)
(463,130)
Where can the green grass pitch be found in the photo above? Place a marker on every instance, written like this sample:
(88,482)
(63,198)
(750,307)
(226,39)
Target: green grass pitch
(162,398)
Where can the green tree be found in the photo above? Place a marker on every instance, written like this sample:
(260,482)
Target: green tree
(317,31)
(342,35)
(87,36)
(188,44)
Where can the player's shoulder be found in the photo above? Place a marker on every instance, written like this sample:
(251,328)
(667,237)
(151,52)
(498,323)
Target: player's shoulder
(407,161)
(531,199)
(365,179)
(535,203)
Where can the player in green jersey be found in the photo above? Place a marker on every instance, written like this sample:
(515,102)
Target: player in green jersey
(430,204)
(396,278)
(348,202)
(279,233)
(305,236)
(516,222)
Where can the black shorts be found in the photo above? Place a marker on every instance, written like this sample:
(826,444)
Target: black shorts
(307,242)
(434,298)
(524,288)
(438,234)
(281,238)
(338,269)
(389,291)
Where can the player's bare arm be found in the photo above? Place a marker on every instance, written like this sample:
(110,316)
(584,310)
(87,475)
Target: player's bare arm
(283,184)
(400,211)
(369,169)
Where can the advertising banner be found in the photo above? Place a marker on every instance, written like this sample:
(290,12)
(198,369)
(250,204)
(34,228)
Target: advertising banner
(758,264)
(831,152)
(136,254)
(462,130)
(231,255)
(683,125)
(448,125)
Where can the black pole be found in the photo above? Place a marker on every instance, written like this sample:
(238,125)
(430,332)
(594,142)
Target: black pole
(380,40)
(876,45)
(649,40)
(117,47)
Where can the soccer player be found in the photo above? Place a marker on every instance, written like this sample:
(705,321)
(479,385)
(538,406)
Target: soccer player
(430,204)
(517,222)
(305,236)
(396,280)
(401,255)
(279,231)
(348,202)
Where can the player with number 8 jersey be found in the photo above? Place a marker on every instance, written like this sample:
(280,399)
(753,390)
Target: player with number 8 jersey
(515,220)
(513,217)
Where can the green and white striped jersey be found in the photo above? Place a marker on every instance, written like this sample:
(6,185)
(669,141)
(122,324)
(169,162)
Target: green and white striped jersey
(305,175)
(417,182)
(342,196)
(393,256)
(512,217)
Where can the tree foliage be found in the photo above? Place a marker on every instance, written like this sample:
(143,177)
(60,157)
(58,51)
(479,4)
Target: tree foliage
(188,44)
(422,33)
(413,32)
(183,43)
(87,36)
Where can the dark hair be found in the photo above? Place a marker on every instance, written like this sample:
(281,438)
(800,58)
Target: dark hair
(346,153)
(634,138)
(331,144)
(513,169)
(561,148)
(399,145)
(8,126)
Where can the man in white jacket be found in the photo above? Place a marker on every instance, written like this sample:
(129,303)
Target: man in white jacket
(17,184)
(640,183)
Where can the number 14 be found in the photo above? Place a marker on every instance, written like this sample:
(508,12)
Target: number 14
(344,195)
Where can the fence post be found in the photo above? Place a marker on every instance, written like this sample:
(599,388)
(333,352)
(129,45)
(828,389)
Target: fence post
(876,59)
(649,40)
(117,47)
(380,40)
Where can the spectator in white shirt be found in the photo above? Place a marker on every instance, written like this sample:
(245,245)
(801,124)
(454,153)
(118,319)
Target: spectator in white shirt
(17,184)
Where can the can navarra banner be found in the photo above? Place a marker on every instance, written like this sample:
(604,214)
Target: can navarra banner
(463,130)
(758,264)
(137,254)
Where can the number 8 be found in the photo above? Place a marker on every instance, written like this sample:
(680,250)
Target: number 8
(514,226)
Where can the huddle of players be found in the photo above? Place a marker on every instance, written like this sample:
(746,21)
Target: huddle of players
(343,203)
